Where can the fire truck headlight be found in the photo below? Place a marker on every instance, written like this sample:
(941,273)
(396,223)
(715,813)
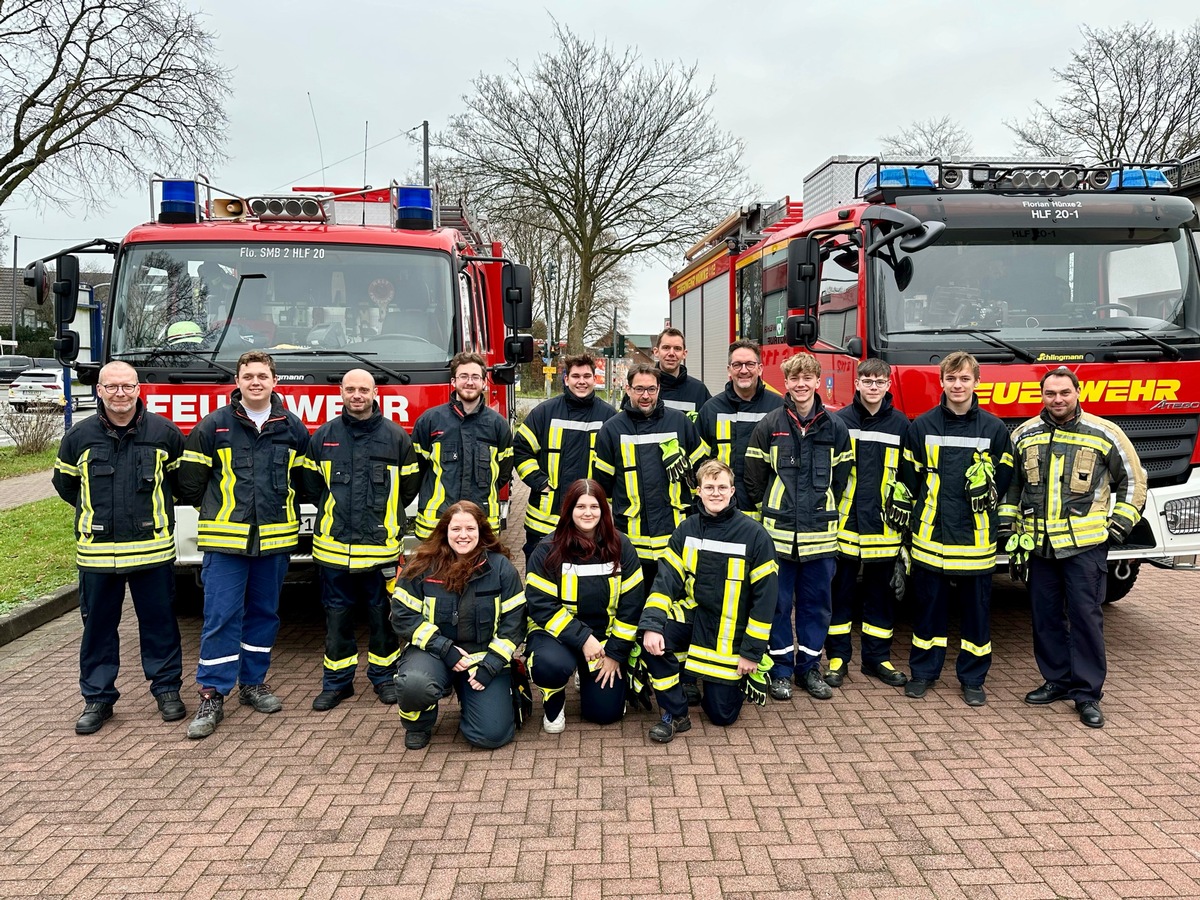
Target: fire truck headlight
(1182,516)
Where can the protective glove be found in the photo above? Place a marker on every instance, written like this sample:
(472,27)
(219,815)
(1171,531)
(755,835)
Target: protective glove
(678,470)
(1018,547)
(981,483)
(898,507)
(638,675)
(693,415)
(1116,532)
(754,685)
(899,579)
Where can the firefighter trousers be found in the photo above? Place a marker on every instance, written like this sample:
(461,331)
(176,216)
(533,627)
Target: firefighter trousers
(423,679)
(869,599)
(934,592)
(551,665)
(241,618)
(1068,621)
(101,599)
(340,591)
(805,590)
(721,700)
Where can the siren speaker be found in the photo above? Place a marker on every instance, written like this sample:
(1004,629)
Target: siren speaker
(1098,179)
(227,208)
(951,178)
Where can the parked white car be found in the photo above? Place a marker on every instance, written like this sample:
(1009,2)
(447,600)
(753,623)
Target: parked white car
(44,388)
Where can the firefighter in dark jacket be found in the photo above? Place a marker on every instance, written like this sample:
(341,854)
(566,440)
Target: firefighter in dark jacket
(1079,489)
(866,543)
(797,467)
(713,600)
(957,460)
(678,389)
(242,467)
(553,447)
(584,590)
(728,419)
(460,606)
(365,472)
(117,469)
(465,448)
(645,460)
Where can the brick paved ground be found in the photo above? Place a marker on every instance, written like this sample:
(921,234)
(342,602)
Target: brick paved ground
(25,489)
(867,796)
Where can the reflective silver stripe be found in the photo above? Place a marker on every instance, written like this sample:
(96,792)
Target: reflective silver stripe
(876,437)
(743,417)
(570,425)
(588,570)
(939,440)
(682,405)
(220,661)
(254,649)
(656,438)
(695,543)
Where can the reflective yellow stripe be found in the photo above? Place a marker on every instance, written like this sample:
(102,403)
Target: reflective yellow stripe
(876,632)
(337,665)
(87,513)
(503,647)
(423,633)
(542,584)
(928,644)
(383,661)
(976,649)
(559,621)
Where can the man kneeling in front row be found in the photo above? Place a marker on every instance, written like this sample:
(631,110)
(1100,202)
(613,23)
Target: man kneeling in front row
(712,603)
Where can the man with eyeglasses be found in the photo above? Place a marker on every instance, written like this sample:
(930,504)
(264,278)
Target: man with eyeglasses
(728,419)
(243,469)
(677,389)
(553,446)
(713,599)
(117,468)
(644,459)
(866,543)
(365,472)
(465,448)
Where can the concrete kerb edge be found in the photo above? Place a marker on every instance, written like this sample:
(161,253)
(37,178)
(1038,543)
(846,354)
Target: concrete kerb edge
(37,613)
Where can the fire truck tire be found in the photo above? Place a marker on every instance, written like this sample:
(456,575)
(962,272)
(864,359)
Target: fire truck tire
(1120,585)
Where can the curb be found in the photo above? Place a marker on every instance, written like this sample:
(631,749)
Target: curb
(37,613)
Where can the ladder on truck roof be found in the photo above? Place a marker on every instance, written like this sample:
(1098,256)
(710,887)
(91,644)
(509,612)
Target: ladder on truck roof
(455,216)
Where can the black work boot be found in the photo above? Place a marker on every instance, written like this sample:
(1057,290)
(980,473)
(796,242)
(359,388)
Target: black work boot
(93,717)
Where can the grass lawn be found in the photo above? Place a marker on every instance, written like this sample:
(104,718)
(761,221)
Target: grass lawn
(37,551)
(13,463)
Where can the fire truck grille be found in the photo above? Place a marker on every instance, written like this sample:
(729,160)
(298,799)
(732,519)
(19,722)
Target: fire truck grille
(1164,444)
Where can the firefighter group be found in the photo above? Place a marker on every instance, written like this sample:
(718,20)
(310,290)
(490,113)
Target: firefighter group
(683,551)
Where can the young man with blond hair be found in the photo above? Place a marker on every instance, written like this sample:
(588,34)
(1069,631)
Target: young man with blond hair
(797,466)
(957,462)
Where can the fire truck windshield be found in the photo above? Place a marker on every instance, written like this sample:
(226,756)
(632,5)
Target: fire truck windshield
(394,305)
(1079,287)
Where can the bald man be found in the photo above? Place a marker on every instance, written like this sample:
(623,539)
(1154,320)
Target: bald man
(366,472)
(117,469)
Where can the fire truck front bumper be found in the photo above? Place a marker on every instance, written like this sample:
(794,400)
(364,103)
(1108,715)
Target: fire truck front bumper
(1170,527)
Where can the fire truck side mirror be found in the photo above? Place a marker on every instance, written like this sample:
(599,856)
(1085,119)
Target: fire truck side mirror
(35,277)
(518,349)
(505,373)
(804,274)
(517,292)
(801,331)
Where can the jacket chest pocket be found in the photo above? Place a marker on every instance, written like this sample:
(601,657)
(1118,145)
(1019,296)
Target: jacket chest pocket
(483,465)
(380,485)
(147,469)
(100,465)
(1031,462)
(1081,473)
(449,452)
(822,466)
(280,467)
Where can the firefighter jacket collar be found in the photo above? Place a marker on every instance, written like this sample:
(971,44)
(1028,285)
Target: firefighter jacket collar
(736,399)
(370,423)
(461,411)
(672,382)
(971,413)
(239,409)
(138,412)
(656,412)
(865,415)
(1071,422)
(724,515)
(579,402)
(818,410)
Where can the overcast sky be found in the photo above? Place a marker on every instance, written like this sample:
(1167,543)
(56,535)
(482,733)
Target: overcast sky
(797,81)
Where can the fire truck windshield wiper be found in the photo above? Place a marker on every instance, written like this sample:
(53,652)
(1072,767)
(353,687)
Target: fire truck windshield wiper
(986,335)
(365,359)
(153,353)
(1169,350)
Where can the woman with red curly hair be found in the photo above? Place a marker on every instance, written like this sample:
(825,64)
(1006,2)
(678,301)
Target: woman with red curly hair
(584,589)
(460,605)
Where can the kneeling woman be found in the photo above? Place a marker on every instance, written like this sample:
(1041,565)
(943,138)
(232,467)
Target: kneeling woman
(460,604)
(584,587)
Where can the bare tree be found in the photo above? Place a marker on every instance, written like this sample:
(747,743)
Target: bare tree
(95,93)
(616,156)
(926,138)
(1130,93)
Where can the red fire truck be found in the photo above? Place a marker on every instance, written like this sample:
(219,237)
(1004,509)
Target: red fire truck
(1027,266)
(324,279)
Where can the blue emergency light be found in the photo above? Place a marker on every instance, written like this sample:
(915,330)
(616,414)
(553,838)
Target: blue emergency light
(414,207)
(1138,178)
(899,177)
(178,204)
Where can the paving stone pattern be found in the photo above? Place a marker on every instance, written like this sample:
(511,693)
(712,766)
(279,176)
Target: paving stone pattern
(869,795)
